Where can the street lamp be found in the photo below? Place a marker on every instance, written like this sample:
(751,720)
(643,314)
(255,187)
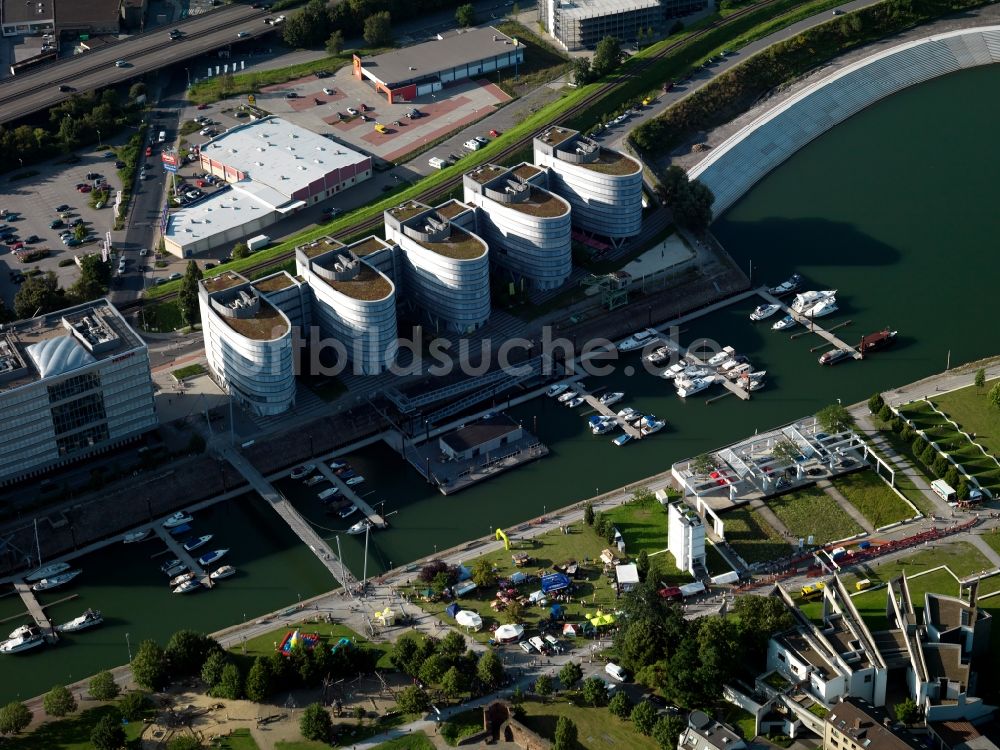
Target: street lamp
(99,139)
(128,645)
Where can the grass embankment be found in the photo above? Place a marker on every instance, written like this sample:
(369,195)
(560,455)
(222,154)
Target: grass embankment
(545,63)
(69,734)
(867,492)
(222,87)
(462,725)
(596,727)
(752,537)
(239,739)
(812,512)
(412,741)
(971,410)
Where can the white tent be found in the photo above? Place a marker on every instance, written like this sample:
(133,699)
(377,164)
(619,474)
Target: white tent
(509,633)
(469,619)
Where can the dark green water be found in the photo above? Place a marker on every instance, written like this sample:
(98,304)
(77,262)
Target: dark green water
(895,208)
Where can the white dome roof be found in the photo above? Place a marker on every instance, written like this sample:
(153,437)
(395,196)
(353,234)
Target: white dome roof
(58,355)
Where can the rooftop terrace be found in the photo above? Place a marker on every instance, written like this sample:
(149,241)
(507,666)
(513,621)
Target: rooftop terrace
(526,171)
(451,209)
(611,162)
(267,325)
(320,246)
(225,280)
(458,245)
(368,285)
(555,136)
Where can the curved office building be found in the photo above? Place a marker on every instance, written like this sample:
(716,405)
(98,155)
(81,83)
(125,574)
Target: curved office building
(352,303)
(446,267)
(604,187)
(528,228)
(248,343)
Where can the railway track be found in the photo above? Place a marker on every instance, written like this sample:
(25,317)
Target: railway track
(432,194)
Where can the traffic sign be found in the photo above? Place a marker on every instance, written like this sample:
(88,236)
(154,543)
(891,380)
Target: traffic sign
(252,100)
(170,160)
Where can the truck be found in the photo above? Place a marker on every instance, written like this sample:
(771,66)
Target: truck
(437,162)
(256,243)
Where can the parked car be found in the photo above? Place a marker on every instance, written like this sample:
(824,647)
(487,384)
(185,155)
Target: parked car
(32,239)
(64,88)
(495,133)
(119,164)
(202,106)
(482,140)
(63,207)
(93,175)
(149,151)
(144,252)
(472,144)
(174,276)
(352,111)
(328,91)
(55,223)
(291,95)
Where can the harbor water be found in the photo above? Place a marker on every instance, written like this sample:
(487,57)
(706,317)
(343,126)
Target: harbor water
(895,209)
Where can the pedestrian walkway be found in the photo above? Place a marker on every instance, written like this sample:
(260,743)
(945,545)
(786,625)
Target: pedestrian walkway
(846,505)
(182,554)
(771,517)
(36,611)
(982,545)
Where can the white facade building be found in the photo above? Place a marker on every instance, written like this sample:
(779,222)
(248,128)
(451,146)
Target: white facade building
(686,538)
(72,383)
(528,228)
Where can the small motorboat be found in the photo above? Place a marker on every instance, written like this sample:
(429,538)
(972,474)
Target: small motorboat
(691,387)
(787,287)
(627,413)
(182,578)
(602,428)
(622,439)
(137,536)
(360,527)
(786,322)
(754,385)
(834,356)
(676,369)
(659,356)
(762,312)
(210,557)
(637,341)
(178,531)
(355,480)
(334,465)
(556,390)
(177,519)
(346,473)
(192,544)
(567,396)
(20,631)
(47,572)
(805,300)
(188,586)
(169,564)
(348,511)
(740,371)
(575,402)
(301,471)
(226,571)
(89,619)
(62,579)
(29,640)
(824,307)
(611,398)
(719,358)
(652,427)
(176,570)
(731,364)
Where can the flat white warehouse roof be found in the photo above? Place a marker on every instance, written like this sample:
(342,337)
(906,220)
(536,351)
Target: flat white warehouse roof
(582,9)
(216,214)
(276,153)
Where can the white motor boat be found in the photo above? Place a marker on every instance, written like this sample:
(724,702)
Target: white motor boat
(556,390)
(334,465)
(637,341)
(226,571)
(137,536)
(355,481)
(652,427)
(754,385)
(575,402)
(31,640)
(178,519)
(567,396)
(20,631)
(823,307)
(601,428)
(690,373)
(627,413)
(89,619)
(360,527)
(834,356)
(182,578)
(611,398)
(676,369)
(734,362)
(47,572)
(762,312)
(786,322)
(740,371)
(348,511)
(170,564)
(805,300)
(188,586)
(302,471)
(192,544)
(691,387)
(211,557)
(622,439)
(62,579)
(659,356)
(720,357)
(787,287)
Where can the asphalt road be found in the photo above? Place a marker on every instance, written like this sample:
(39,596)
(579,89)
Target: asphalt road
(23,95)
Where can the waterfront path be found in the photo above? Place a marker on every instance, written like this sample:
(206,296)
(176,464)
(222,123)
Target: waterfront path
(369,512)
(181,554)
(35,610)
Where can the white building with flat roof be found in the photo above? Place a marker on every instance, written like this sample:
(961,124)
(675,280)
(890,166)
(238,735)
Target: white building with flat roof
(686,538)
(274,168)
(72,383)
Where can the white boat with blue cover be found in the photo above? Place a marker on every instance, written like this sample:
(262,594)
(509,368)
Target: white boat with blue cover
(214,556)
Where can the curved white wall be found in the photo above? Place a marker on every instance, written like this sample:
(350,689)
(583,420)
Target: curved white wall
(749,154)
(455,293)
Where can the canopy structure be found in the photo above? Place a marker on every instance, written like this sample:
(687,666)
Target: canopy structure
(463,588)
(452,610)
(517,577)
(601,619)
(509,633)
(464,574)
(555,582)
(386,618)
(469,619)
(569,630)
(557,612)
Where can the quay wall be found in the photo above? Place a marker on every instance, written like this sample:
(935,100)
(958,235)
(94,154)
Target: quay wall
(752,152)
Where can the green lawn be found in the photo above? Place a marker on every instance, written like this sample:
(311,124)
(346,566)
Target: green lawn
(714,561)
(414,741)
(643,524)
(597,728)
(188,372)
(264,645)
(221,87)
(462,725)
(68,734)
(301,745)
(903,483)
(989,679)
(738,717)
(752,537)
(968,407)
(871,495)
(811,511)
(992,538)
(240,739)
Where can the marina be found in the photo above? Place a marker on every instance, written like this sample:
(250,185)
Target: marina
(176,549)
(347,492)
(36,612)
(809,323)
(606,411)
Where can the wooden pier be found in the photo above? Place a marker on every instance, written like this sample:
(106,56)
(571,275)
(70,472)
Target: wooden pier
(178,551)
(35,610)
(809,323)
(607,411)
(729,385)
(346,492)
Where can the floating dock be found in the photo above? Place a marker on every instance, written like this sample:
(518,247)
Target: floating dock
(346,492)
(607,411)
(182,554)
(809,323)
(729,385)
(35,610)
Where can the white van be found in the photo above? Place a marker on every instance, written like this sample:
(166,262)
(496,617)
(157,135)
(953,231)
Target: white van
(615,671)
(472,144)
(328,492)
(437,162)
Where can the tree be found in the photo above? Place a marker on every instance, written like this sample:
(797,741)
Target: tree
(543,686)
(642,565)
(377,30)
(875,403)
(186,742)
(786,451)
(489,670)
(149,667)
(928,455)
(187,298)
(406,656)
(594,691)
(940,465)
(980,381)
(482,573)
(452,646)
(240,250)
(335,44)
(607,56)
(962,490)
(588,514)
(885,413)
(211,670)
(187,650)
(315,723)
(108,734)
(454,683)
(136,90)
(230,685)
(644,717)
(570,674)
(907,711)
(917,446)
(667,730)
(566,734)
(59,701)
(758,618)
(993,397)
(14,717)
(433,669)
(703,464)
(582,74)
(834,418)
(95,276)
(259,681)
(465,15)
(37,295)
(620,705)
(134,704)
(693,209)
(310,27)
(103,686)
(601,524)
(413,700)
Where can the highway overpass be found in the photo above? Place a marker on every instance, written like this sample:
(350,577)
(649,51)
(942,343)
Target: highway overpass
(25,94)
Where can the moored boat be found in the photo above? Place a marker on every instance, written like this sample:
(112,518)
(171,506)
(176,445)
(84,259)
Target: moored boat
(659,356)
(690,387)
(834,356)
(89,619)
(722,356)
(557,389)
(761,312)
(192,544)
(25,642)
(182,578)
(787,287)
(188,586)
(806,300)
(226,571)
(177,519)
(360,527)
(334,465)
(210,557)
(137,536)
(568,395)
(627,413)
(348,511)
(786,322)
(355,480)
(611,398)
(875,341)
(62,579)
(575,402)
(676,369)
(20,631)
(637,341)
(824,307)
(622,439)
(47,571)
(652,427)
(172,563)
(602,428)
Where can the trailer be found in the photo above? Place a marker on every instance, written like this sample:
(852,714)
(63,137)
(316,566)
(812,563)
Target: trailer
(256,243)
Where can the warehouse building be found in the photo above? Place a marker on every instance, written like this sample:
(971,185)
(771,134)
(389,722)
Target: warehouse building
(58,17)
(528,228)
(581,24)
(273,168)
(73,383)
(405,74)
